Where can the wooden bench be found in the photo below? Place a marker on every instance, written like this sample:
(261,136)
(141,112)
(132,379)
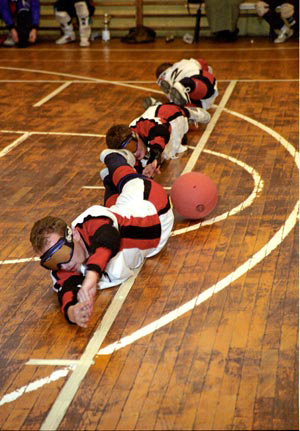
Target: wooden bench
(165,17)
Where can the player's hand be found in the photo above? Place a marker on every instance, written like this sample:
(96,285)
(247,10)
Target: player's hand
(89,287)
(80,313)
(151,169)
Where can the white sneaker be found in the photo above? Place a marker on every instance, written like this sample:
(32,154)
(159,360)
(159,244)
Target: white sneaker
(165,86)
(9,41)
(285,34)
(84,42)
(66,38)
(128,156)
(199,115)
(179,94)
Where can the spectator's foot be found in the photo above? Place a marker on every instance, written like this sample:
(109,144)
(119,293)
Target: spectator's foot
(149,101)
(66,38)
(84,42)
(199,115)
(227,36)
(128,155)
(179,94)
(284,34)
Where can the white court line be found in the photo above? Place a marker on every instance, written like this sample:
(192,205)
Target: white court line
(54,362)
(47,81)
(230,60)
(209,128)
(33,386)
(102,187)
(290,148)
(14,144)
(53,94)
(89,79)
(25,135)
(13,261)
(95,135)
(64,399)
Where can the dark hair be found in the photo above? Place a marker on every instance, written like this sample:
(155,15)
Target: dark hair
(116,135)
(161,68)
(42,228)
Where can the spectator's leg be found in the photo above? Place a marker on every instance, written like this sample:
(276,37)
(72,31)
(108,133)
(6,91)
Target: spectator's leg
(24,26)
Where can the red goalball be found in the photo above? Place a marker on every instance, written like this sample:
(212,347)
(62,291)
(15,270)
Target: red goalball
(194,195)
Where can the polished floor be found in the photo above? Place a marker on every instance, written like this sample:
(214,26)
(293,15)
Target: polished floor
(205,336)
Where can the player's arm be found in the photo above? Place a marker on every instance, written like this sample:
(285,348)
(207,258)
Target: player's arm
(105,244)
(67,286)
(159,136)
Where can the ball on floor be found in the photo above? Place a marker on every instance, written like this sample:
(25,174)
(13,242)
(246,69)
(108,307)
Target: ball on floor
(194,195)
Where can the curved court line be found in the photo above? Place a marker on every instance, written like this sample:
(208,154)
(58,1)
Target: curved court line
(258,186)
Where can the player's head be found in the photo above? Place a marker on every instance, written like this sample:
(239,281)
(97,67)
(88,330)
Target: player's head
(161,68)
(122,137)
(52,238)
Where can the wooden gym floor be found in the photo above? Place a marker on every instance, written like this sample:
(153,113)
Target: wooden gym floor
(206,335)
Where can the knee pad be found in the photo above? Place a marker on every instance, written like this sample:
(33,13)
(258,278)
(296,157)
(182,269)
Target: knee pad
(82,10)
(63,18)
(287,10)
(261,8)
(83,16)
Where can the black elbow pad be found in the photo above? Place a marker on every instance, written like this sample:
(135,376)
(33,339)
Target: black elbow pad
(106,236)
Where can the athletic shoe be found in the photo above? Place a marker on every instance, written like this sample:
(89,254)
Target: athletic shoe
(103,173)
(165,86)
(66,38)
(179,94)
(285,34)
(149,101)
(128,155)
(199,115)
(84,42)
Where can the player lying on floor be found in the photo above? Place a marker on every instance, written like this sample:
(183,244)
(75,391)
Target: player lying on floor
(105,243)
(187,83)
(160,133)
